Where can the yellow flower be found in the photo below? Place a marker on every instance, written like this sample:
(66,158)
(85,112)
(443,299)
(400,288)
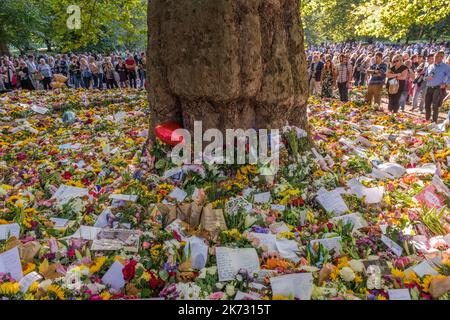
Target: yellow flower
(9,288)
(34,286)
(29,296)
(287,235)
(380,297)
(279,297)
(105,295)
(397,273)
(427,280)
(28,268)
(358,278)
(334,273)
(97,265)
(56,290)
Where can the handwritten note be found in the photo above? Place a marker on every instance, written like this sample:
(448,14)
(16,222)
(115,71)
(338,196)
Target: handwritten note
(60,222)
(423,269)
(230,261)
(28,280)
(298,285)
(431,198)
(9,230)
(371,195)
(392,245)
(178,194)
(102,220)
(331,201)
(10,263)
(86,232)
(114,276)
(263,197)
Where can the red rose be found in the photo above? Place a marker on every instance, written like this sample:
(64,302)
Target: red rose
(297,202)
(129,270)
(154,282)
(67,175)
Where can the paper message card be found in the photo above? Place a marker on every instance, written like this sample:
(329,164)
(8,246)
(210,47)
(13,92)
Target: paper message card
(355,219)
(392,245)
(114,276)
(423,269)
(430,198)
(328,243)
(198,250)
(9,230)
(28,280)
(60,222)
(178,194)
(64,193)
(371,195)
(288,249)
(10,263)
(298,285)
(265,240)
(263,197)
(230,261)
(399,294)
(331,201)
(123,197)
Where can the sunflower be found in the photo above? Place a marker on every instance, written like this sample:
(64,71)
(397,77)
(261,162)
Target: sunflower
(56,290)
(9,288)
(97,265)
(397,273)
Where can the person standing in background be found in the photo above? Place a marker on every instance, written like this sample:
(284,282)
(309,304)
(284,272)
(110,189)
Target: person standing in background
(130,65)
(315,72)
(438,78)
(398,74)
(344,77)
(377,73)
(328,79)
(45,71)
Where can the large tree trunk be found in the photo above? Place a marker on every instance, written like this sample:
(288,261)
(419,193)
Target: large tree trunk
(4,50)
(229,63)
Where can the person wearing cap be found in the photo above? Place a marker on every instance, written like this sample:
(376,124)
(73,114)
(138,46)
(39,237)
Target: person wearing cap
(438,78)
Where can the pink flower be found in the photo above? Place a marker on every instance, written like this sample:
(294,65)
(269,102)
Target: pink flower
(216,295)
(146,245)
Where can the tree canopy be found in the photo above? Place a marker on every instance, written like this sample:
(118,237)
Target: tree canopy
(106,25)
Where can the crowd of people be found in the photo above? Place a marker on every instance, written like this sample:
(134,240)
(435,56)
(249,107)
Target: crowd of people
(36,71)
(417,74)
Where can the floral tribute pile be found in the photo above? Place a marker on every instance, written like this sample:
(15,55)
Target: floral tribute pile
(89,210)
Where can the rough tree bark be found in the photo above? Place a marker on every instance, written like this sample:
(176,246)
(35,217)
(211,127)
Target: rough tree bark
(4,51)
(229,63)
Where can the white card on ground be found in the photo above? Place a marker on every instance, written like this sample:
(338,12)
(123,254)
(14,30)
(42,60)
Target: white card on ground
(246,296)
(28,280)
(60,222)
(399,294)
(392,245)
(114,276)
(424,268)
(394,169)
(353,218)
(372,195)
(86,232)
(288,249)
(278,207)
(331,201)
(329,243)
(102,220)
(10,263)
(174,173)
(64,193)
(230,261)
(178,194)
(40,110)
(429,168)
(267,239)
(198,250)
(124,197)
(263,197)
(9,230)
(299,285)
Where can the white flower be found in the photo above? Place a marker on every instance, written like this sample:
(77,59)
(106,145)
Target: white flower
(230,290)
(202,273)
(44,284)
(219,285)
(356,265)
(212,270)
(239,277)
(188,291)
(347,274)
(249,221)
